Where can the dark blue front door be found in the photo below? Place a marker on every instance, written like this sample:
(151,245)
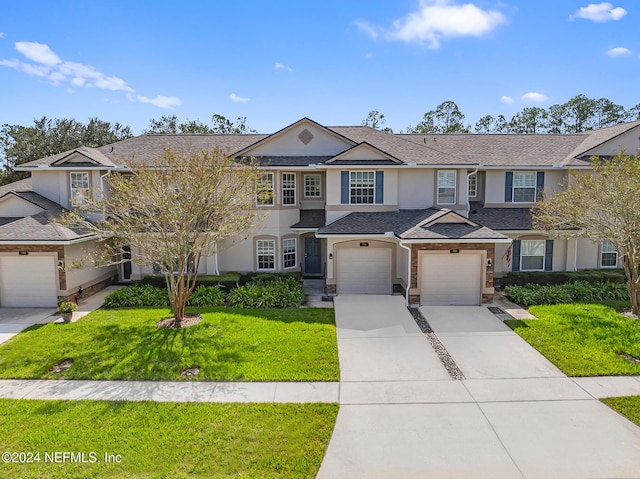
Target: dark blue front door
(312,256)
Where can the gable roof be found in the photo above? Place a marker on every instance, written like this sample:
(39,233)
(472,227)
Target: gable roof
(41,227)
(410,225)
(472,150)
(343,158)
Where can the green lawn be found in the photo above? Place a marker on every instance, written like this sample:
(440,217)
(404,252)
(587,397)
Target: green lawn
(162,440)
(627,406)
(229,344)
(583,339)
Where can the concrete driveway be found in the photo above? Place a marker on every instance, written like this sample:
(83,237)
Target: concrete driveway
(515,416)
(14,320)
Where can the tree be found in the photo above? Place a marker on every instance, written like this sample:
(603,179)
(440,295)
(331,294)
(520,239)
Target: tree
(446,118)
(375,120)
(579,114)
(608,113)
(171,213)
(172,125)
(530,120)
(601,206)
(485,124)
(555,119)
(21,144)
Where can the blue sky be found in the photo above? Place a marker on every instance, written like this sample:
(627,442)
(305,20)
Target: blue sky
(333,61)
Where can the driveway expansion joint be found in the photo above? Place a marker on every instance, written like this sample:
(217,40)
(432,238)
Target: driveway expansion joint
(444,356)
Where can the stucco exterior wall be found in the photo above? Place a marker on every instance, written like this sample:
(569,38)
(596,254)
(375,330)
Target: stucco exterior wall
(84,276)
(415,188)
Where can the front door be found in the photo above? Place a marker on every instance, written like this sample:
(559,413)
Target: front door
(126,265)
(312,256)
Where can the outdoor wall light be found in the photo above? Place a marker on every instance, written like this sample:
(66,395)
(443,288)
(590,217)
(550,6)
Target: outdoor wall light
(489,263)
(330,255)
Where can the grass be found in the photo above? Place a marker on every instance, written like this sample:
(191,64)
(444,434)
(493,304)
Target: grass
(228,345)
(162,440)
(584,339)
(627,406)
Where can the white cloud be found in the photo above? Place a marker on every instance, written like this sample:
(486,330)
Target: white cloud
(618,52)
(1,34)
(534,97)
(38,52)
(235,97)
(438,19)
(599,12)
(506,99)
(368,56)
(161,101)
(282,66)
(49,65)
(367,28)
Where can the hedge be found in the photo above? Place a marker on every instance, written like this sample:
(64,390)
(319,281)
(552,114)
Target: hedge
(575,292)
(267,293)
(522,278)
(227,281)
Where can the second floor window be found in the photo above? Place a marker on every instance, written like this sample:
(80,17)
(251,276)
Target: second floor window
(265,190)
(473,185)
(288,188)
(312,186)
(447,187)
(362,187)
(79,182)
(524,186)
(608,255)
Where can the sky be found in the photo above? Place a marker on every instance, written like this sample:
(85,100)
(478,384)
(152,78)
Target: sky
(275,62)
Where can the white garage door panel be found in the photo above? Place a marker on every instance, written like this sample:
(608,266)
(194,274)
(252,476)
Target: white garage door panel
(28,281)
(450,279)
(364,270)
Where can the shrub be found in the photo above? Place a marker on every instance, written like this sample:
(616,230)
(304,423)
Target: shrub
(278,293)
(522,278)
(576,292)
(66,307)
(227,281)
(206,296)
(253,276)
(137,296)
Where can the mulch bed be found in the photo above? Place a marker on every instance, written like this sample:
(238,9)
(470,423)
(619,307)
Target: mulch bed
(171,323)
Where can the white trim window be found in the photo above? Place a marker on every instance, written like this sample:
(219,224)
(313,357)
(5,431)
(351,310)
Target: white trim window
(288,189)
(289,253)
(362,187)
(447,187)
(79,187)
(473,185)
(312,186)
(266,254)
(264,196)
(608,255)
(524,186)
(532,254)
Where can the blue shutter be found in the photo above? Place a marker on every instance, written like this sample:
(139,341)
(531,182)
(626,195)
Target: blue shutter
(508,187)
(379,187)
(539,185)
(344,187)
(515,265)
(548,255)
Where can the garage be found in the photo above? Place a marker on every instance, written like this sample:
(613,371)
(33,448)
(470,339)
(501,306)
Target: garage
(28,281)
(364,270)
(450,279)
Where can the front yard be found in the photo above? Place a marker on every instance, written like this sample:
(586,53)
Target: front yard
(584,339)
(154,440)
(228,345)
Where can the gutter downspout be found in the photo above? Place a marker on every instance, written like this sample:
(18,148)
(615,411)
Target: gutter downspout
(474,172)
(102,177)
(216,266)
(406,298)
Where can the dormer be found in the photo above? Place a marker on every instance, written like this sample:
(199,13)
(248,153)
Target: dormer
(83,157)
(364,154)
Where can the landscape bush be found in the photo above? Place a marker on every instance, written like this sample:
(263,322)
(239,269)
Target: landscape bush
(227,281)
(206,296)
(574,292)
(136,296)
(597,276)
(267,293)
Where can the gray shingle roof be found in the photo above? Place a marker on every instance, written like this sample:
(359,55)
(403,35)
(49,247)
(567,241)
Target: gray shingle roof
(408,224)
(291,160)
(433,149)
(39,227)
(311,219)
(501,218)
(20,185)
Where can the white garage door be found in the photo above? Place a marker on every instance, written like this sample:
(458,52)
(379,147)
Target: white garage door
(450,279)
(28,281)
(364,270)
